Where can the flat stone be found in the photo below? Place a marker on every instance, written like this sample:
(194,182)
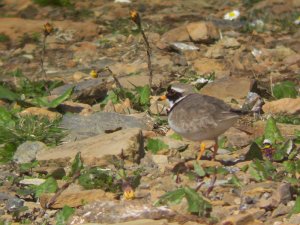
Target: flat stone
(118,212)
(98,150)
(281,210)
(294,220)
(27,151)
(239,219)
(207,66)
(178,34)
(287,130)
(75,107)
(80,127)
(227,88)
(288,106)
(87,91)
(36,111)
(76,198)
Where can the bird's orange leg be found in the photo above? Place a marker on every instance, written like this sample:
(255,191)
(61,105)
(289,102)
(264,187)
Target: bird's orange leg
(214,177)
(202,150)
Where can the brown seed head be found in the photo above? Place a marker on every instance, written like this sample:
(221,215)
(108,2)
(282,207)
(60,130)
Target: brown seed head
(135,17)
(48,28)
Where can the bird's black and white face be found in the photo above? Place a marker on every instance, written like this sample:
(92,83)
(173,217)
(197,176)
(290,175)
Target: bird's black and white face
(177,92)
(174,95)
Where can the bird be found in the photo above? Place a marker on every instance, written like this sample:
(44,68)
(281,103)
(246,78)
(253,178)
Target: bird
(198,117)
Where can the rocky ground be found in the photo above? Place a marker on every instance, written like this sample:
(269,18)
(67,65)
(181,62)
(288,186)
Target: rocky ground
(132,169)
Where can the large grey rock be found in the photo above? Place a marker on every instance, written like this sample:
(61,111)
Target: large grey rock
(99,150)
(27,151)
(81,127)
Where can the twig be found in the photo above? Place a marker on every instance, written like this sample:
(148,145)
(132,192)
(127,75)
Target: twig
(115,78)
(64,187)
(43,57)
(135,17)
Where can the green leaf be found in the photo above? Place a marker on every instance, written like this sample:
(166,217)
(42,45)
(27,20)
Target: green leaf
(43,102)
(262,170)
(297,134)
(173,197)
(254,152)
(286,89)
(63,215)
(272,132)
(155,145)
(49,186)
(296,208)
(98,178)
(77,165)
(144,95)
(196,204)
(7,94)
(199,170)
(289,166)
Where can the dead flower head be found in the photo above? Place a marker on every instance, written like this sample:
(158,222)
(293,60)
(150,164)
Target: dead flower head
(48,28)
(135,17)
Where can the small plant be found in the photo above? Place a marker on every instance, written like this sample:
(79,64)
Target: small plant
(139,97)
(63,215)
(196,203)
(14,130)
(155,145)
(4,38)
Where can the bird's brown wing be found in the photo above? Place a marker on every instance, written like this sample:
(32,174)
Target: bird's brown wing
(200,112)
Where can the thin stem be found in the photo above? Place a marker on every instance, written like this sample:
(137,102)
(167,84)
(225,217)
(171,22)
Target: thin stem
(43,56)
(148,57)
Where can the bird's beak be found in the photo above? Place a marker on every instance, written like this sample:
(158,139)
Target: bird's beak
(163,97)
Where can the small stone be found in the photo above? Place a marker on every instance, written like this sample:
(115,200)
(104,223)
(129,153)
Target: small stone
(288,106)
(161,160)
(32,181)
(229,42)
(178,34)
(283,193)
(204,32)
(281,210)
(27,151)
(294,220)
(14,204)
(158,109)
(75,107)
(36,111)
(77,76)
(76,198)
(239,219)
